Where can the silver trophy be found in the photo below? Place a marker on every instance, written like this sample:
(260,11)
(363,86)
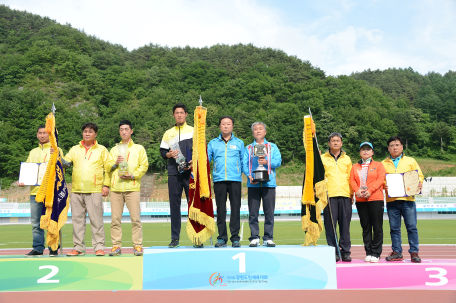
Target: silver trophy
(180,160)
(261,173)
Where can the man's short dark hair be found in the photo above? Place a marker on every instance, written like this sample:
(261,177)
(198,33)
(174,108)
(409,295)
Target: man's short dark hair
(394,138)
(91,126)
(179,105)
(335,134)
(125,122)
(226,117)
(40,127)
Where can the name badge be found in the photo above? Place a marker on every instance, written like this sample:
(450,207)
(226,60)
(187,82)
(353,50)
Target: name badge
(233,146)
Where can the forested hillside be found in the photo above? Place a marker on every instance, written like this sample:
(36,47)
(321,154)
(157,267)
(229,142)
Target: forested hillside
(42,62)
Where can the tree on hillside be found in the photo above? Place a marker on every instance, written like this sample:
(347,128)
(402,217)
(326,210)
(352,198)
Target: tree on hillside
(408,123)
(442,130)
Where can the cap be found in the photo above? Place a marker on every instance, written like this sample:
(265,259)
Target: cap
(366,143)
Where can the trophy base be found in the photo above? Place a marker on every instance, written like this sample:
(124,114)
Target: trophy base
(260,176)
(123,169)
(123,173)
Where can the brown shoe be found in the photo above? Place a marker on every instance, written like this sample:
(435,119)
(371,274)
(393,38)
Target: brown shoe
(415,258)
(394,256)
(75,253)
(99,253)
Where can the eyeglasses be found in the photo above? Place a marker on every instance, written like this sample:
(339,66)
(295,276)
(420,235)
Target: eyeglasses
(394,145)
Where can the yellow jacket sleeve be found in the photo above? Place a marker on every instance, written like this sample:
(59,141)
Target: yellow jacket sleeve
(143,164)
(108,162)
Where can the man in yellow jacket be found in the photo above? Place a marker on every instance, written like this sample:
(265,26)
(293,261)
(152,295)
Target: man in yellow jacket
(91,166)
(337,172)
(40,154)
(397,162)
(125,189)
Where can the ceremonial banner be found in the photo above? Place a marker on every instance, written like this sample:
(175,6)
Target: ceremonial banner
(200,224)
(314,189)
(53,191)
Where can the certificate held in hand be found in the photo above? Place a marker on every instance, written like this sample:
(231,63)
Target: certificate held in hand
(32,173)
(403,184)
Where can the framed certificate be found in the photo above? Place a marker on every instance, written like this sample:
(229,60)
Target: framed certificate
(403,184)
(32,173)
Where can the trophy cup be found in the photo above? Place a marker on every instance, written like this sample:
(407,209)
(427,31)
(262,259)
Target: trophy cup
(123,166)
(180,160)
(363,179)
(261,173)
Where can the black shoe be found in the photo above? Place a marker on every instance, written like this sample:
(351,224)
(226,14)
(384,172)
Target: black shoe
(415,258)
(236,244)
(346,258)
(395,256)
(53,253)
(198,246)
(337,258)
(220,243)
(174,243)
(34,253)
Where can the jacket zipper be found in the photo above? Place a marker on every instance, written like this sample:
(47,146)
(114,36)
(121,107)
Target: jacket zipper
(226,153)
(337,174)
(83,167)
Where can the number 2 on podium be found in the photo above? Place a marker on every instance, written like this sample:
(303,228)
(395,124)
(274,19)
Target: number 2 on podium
(241,257)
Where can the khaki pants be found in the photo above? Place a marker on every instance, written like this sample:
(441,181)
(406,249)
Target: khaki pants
(118,199)
(81,204)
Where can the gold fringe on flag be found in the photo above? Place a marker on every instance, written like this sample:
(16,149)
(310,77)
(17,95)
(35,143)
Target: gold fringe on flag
(46,192)
(200,178)
(312,229)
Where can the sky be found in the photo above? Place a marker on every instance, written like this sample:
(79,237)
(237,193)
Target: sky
(340,37)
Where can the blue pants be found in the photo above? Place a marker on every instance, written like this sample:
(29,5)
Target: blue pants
(406,209)
(37,232)
(36,210)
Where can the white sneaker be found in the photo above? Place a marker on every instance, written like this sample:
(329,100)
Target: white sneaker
(368,259)
(254,243)
(269,243)
(374,259)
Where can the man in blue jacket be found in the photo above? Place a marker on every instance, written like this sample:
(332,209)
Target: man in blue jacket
(261,190)
(227,151)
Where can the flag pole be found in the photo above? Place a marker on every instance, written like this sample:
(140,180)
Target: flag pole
(329,203)
(201,105)
(60,231)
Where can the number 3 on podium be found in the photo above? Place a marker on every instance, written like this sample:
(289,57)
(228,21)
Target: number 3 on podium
(241,257)
(440,276)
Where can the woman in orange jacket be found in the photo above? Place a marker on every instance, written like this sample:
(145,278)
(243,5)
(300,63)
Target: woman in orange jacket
(366,179)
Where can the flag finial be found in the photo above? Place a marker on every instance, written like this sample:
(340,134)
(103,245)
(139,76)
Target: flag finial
(53,108)
(201,101)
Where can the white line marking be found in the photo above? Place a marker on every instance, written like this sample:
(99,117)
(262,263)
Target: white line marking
(242,231)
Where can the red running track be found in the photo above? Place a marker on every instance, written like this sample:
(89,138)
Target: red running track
(426,252)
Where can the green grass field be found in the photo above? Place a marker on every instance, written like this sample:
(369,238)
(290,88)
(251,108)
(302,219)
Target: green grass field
(285,233)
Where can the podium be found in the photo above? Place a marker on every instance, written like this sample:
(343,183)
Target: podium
(18,273)
(250,268)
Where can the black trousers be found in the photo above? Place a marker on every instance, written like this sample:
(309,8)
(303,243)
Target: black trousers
(341,212)
(233,189)
(268,194)
(176,184)
(371,218)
